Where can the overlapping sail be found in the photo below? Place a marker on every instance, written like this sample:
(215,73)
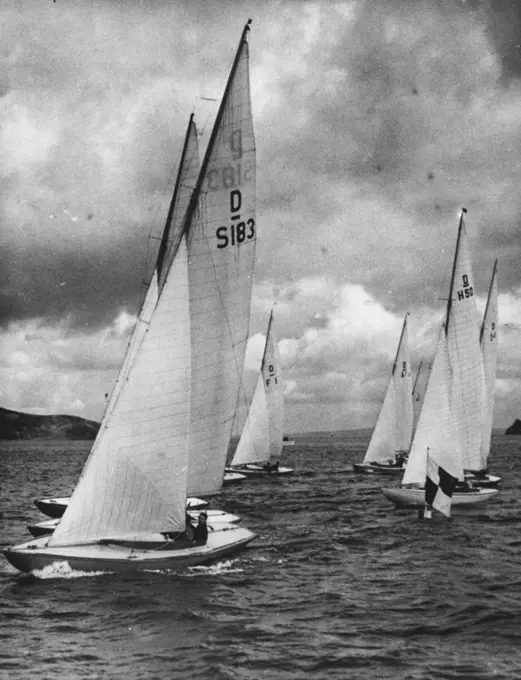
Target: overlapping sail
(221,255)
(134,480)
(468,395)
(261,437)
(436,431)
(393,430)
(488,342)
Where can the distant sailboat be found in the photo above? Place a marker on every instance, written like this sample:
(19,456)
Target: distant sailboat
(130,500)
(448,423)
(393,431)
(488,343)
(260,445)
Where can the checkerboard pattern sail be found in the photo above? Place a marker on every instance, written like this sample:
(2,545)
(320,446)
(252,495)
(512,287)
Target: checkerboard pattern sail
(438,487)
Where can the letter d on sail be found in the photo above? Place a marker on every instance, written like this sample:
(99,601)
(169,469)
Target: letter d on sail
(235,200)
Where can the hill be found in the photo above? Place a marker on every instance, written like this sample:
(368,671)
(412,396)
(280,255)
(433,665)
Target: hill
(16,425)
(515,428)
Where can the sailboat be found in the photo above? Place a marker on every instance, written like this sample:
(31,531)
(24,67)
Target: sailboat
(488,343)
(127,512)
(453,402)
(260,445)
(392,434)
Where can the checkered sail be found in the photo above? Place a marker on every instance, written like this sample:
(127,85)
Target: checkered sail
(439,486)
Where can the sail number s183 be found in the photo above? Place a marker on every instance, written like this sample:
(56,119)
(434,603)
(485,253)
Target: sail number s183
(239,230)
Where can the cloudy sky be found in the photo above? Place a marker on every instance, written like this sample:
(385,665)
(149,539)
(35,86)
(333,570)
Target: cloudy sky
(375,121)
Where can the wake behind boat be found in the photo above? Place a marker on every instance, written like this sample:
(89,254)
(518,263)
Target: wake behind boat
(167,426)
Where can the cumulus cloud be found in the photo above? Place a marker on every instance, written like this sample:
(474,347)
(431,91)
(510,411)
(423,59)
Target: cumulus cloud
(375,121)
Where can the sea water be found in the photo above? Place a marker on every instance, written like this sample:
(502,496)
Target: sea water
(338,584)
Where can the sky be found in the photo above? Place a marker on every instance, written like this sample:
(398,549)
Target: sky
(375,122)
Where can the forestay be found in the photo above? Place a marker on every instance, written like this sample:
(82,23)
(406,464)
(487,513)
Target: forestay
(436,429)
(468,398)
(261,437)
(221,252)
(393,429)
(488,343)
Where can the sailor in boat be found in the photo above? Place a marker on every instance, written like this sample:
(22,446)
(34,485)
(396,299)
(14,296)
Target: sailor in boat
(186,535)
(201,530)
(271,468)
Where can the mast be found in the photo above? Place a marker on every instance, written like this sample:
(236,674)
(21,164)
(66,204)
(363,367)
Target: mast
(449,302)
(488,301)
(266,343)
(204,167)
(400,342)
(417,378)
(166,232)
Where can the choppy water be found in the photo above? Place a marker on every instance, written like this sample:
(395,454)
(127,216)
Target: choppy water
(338,584)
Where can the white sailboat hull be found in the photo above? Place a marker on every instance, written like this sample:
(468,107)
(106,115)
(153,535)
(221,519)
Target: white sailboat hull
(416,497)
(372,469)
(253,470)
(233,478)
(123,556)
(216,519)
(55,507)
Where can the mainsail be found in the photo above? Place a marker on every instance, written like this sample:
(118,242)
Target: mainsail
(488,342)
(468,392)
(261,437)
(222,230)
(122,488)
(435,430)
(393,429)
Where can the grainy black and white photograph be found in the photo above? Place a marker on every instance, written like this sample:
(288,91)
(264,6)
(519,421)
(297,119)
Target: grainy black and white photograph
(260,340)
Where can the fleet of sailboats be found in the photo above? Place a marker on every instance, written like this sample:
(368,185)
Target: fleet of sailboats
(449,428)
(168,425)
(162,446)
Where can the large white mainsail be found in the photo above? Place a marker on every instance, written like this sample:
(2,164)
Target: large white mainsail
(435,429)
(488,342)
(468,391)
(261,437)
(120,491)
(221,257)
(393,429)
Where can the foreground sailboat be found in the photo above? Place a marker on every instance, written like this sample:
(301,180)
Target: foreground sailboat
(453,402)
(128,509)
(260,446)
(393,431)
